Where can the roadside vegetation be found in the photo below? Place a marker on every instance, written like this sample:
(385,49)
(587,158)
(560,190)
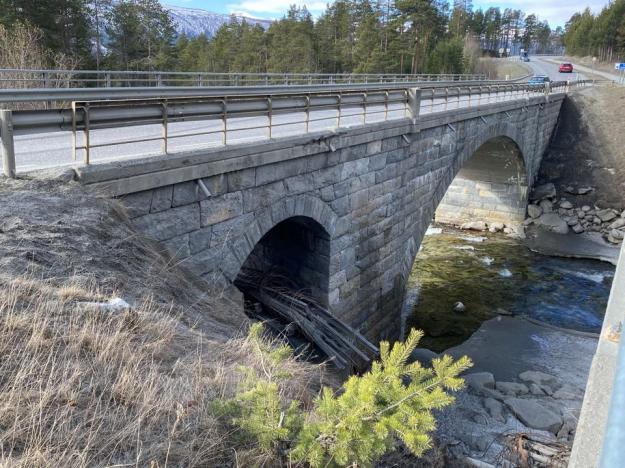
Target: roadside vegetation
(600,35)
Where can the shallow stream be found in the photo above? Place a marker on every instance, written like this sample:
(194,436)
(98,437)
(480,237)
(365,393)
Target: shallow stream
(493,274)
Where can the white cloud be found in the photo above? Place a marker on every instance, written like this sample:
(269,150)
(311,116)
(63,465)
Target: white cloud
(275,7)
(556,12)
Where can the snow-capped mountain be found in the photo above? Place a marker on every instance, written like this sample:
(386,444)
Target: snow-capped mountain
(195,21)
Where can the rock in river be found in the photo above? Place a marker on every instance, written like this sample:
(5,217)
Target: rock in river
(543,191)
(474,226)
(534,415)
(534,211)
(459,307)
(511,388)
(552,222)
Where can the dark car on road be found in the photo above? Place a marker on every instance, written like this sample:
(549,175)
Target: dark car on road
(538,80)
(566,68)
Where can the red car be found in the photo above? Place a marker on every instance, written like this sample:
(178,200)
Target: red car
(566,68)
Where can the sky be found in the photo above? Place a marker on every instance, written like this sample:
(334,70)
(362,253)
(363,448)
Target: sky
(557,12)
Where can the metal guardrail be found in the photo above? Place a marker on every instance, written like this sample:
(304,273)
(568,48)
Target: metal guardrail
(34,78)
(62,95)
(237,115)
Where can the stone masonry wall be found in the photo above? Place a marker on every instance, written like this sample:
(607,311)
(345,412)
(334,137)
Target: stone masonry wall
(373,191)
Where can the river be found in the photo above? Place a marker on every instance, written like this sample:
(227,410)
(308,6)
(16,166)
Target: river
(493,274)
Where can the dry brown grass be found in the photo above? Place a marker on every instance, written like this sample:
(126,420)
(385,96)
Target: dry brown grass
(500,69)
(83,386)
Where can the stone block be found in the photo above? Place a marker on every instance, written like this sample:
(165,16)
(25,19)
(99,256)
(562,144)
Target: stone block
(221,208)
(239,180)
(217,184)
(200,240)
(279,171)
(265,195)
(178,247)
(299,184)
(186,193)
(203,262)
(374,147)
(137,204)
(171,223)
(161,199)
(225,232)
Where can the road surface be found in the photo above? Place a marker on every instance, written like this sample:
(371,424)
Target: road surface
(549,66)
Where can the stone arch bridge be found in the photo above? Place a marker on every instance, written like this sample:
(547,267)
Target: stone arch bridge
(341,213)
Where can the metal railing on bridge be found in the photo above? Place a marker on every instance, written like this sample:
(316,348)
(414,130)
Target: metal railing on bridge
(221,120)
(33,78)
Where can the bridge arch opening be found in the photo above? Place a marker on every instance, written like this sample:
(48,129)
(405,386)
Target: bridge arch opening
(295,255)
(491,186)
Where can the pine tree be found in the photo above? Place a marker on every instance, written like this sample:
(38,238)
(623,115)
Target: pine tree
(394,400)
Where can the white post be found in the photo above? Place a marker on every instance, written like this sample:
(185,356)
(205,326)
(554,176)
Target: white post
(8,148)
(414,104)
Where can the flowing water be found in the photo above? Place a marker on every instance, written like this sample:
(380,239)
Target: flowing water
(493,274)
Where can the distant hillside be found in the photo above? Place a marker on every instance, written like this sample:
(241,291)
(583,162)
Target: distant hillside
(195,21)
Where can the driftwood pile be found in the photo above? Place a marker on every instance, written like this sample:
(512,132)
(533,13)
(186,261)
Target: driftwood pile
(532,450)
(344,346)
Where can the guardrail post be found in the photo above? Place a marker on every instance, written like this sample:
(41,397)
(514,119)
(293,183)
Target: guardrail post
(547,91)
(414,104)
(8,148)
(107,80)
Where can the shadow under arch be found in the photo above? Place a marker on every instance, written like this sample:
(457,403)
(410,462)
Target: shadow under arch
(294,254)
(491,185)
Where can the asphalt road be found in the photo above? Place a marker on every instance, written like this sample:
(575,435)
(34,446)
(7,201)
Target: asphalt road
(46,150)
(541,66)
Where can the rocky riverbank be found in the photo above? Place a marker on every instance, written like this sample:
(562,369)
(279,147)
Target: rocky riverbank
(560,215)
(525,391)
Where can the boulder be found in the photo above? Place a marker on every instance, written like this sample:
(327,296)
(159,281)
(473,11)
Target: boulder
(586,208)
(537,377)
(606,215)
(596,220)
(496,226)
(495,409)
(511,388)
(535,389)
(617,234)
(459,307)
(613,240)
(584,190)
(571,221)
(534,211)
(534,415)
(546,205)
(623,214)
(541,192)
(570,189)
(423,355)
(618,223)
(566,392)
(479,380)
(552,222)
(578,228)
(474,226)
(567,205)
